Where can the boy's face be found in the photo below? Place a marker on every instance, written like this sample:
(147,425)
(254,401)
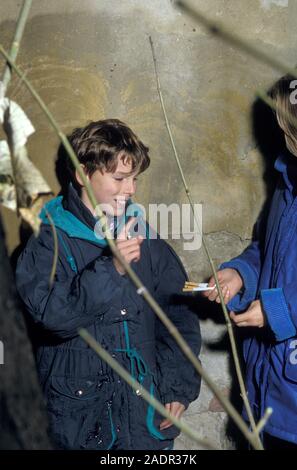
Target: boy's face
(112,190)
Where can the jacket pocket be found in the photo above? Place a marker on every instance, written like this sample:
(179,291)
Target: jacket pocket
(77,389)
(81,412)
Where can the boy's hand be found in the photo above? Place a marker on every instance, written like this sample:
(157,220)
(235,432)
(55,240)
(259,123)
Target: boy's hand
(129,248)
(230,282)
(176,409)
(254,316)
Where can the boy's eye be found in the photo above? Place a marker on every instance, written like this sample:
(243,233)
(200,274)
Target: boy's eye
(119,178)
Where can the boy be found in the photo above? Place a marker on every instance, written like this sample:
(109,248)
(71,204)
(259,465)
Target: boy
(261,284)
(89,406)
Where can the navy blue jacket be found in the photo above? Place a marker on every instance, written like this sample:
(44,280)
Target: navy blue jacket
(89,406)
(269,272)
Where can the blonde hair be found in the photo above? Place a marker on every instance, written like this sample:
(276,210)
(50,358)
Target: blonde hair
(286,110)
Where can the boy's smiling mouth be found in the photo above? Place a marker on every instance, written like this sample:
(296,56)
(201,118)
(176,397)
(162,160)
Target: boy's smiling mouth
(121,202)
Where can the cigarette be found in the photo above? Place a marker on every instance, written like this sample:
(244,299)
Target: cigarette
(197,287)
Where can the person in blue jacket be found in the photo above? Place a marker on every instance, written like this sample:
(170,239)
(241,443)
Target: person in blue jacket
(89,406)
(261,284)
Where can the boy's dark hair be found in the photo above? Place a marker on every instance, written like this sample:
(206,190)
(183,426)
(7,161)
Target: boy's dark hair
(98,145)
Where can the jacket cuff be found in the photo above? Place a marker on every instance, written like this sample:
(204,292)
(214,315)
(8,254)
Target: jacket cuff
(250,284)
(171,396)
(277,313)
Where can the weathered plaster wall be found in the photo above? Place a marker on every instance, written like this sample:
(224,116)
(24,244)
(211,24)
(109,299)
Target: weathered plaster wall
(92,59)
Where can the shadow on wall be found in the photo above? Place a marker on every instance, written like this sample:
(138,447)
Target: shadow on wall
(63,168)
(270,142)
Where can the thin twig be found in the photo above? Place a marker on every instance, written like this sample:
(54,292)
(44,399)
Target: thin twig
(20,27)
(56,247)
(227,405)
(15,91)
(217,29)
(262,423)
(141,391)
(21,23)
(188,193)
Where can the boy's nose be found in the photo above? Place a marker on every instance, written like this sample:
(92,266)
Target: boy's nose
(130,188)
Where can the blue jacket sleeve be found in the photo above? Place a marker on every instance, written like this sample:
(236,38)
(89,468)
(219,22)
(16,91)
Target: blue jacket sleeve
(280,306)
(248,265)
(178,380)
(74,300)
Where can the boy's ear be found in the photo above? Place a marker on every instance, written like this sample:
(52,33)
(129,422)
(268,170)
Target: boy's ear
(77,176)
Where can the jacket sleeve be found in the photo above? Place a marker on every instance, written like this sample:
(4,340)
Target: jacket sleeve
(74,300)
(280,306)
(178,380)
(248,265)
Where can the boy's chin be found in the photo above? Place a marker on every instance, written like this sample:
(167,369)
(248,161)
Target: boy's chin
(116,212)
(119,212)
(111,210)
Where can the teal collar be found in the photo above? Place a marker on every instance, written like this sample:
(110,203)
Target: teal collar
(67,222)
(70,224)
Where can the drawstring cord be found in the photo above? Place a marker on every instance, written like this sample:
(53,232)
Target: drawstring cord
(69,256)
(113,433)
(137,362)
